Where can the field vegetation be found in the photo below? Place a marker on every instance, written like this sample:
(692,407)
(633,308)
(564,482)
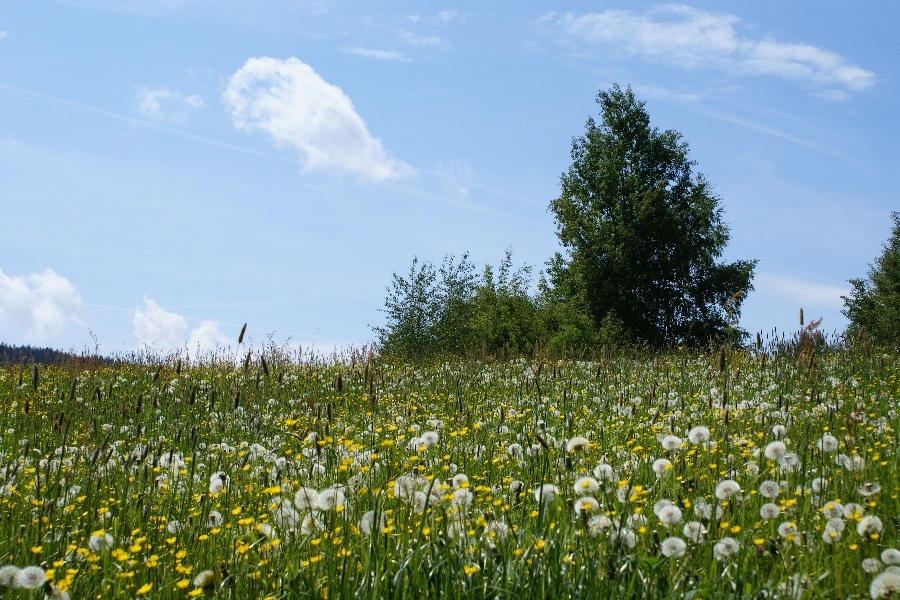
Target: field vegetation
(764,472)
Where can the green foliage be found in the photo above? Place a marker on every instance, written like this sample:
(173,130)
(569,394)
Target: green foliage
(642,236)
(451,310)
(873,306)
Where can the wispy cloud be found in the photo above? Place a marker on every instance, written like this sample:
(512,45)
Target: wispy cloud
(442,17)
(36,307)
(802,292)
(379,54)
(289,101)
(420,40)
(162,104)
(691,38)
(3,34)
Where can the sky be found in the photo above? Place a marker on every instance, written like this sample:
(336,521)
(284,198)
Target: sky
(172,169)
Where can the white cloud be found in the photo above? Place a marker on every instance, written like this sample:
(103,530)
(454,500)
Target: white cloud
(454,179)
(805,293)
(8,143)
(691,38)
(290,101)
(420,40)
(3,34)
(207,337)
(156,327)
(379,54)
(163,104)
(36,307)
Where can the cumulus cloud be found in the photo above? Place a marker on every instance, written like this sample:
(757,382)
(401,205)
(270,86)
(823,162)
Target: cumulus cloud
(36,307)
(156,327)
(691,38)
(289,101)
(162,104)
(207,336)
(379,54)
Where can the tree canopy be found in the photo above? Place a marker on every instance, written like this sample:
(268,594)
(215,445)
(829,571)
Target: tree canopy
(642,235)
(873,306)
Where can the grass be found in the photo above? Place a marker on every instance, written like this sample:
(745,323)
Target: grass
(170,479)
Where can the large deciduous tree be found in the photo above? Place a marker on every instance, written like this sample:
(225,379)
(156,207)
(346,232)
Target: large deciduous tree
(873,306)
(643,235)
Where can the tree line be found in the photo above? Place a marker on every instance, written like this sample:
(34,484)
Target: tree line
(642,236)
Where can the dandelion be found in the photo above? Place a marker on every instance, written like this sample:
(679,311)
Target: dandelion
(516,487)
(306,498)
(726,547)
(310,525)
(515,451)
(890,556)
(673,547)
(330,499)
(871,565)
(206,581)
(429,438)
(885,584)
(769,511)
(604,472)
(214,519)
(669,515)
(174,526)
(698,434)
(693,530)
(367,523)
(727,488)
(869,525)
(598,524)
(7,576)
(462,498)
(586,485)
(497,529)
(419,502)
(819,484)
(789,461)
(833,509)
(869,489)
(218,481)
(836,524)
(586,504)
(671,442)
(661,467)
(100,541)
(827,443)
(577,443)
(29,578)
(285,515)
(624,536)
(778,430)
(546,493)
(637,520)
(769,489)
(830,536)
(775,450)
(787,528)
(459,481)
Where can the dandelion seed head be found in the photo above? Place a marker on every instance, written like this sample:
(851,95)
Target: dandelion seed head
(586,485)
(871,565)
(868,525)
(604,472)
(727,488)
(29,578)
(546,492)
(586,504)
(769,511)
(885,584)
(890,556)
(698,434)
(7,575)
(769,489)
(577,443)
(775,450)
(661,467)
(693,530)
(669,515)
(827,443)
(671,442)
(726,547)
(330,499)
(673,547)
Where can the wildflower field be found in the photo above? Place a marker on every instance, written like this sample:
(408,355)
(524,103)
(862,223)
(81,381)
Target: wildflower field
(756,473)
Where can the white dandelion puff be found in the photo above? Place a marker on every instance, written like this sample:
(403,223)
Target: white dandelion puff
(775,450)
(673,547)
(727,488)
(586,485)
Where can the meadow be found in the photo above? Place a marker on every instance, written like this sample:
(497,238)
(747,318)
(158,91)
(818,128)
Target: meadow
(767,472)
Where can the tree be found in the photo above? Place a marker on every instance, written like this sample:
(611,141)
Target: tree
(873,306)
(642,236)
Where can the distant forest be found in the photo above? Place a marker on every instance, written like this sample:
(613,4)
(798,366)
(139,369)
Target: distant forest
(13,355)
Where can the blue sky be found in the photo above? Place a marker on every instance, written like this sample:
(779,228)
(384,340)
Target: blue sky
(172,169)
